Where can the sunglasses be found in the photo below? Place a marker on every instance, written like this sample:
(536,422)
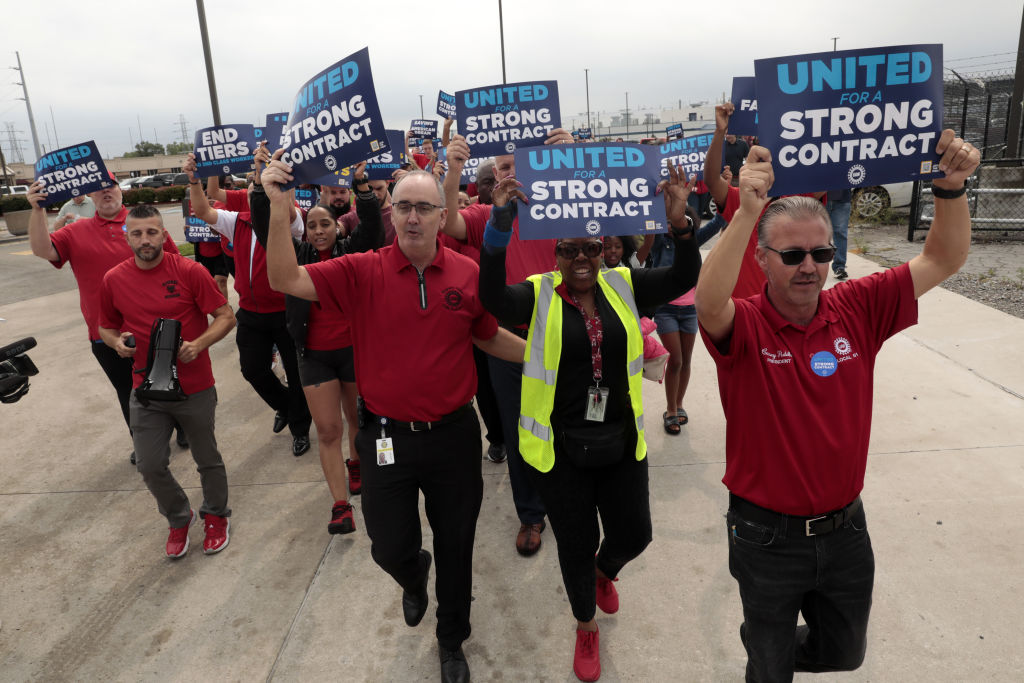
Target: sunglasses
(794,257)
(570,251)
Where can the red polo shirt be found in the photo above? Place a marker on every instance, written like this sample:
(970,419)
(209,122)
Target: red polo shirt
(93,246)
(326,330)
(523,258)
(179,288)
(797,400)
(412,346)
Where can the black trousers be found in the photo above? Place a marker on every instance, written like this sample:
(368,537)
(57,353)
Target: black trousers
(573,497)
(443,463)
(485,400)
(256,336)
(119,371)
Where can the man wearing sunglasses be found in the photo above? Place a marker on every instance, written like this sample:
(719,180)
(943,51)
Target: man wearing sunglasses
(790,360)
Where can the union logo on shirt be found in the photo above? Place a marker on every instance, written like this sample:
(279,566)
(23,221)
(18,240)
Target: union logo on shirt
(171,286)
(452,298)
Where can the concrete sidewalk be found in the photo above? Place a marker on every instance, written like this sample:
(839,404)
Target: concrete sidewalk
(86,593)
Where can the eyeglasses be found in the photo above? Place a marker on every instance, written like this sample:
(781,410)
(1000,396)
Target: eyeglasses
(422,208)
(570,250)
(794,257)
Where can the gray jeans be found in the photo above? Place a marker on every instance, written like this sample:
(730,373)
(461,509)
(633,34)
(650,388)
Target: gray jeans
(152,426)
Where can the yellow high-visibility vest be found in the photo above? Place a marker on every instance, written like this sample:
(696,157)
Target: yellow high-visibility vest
(544,348)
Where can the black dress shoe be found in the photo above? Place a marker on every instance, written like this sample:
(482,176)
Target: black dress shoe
(300,444)
(180,437)
(454,668)
(414,605)
(131,458)
(280,422)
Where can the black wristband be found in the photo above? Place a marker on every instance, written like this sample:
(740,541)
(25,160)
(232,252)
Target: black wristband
(193,183)
(949,194)
(684,232)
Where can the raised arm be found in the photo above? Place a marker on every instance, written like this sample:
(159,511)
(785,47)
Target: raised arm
(713,298)
(949,238)
(38,231)
(713,161)
(369,232)
(199,202)
(458,155)
(283,269)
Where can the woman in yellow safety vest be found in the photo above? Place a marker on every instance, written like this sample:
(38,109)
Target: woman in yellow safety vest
(581,427)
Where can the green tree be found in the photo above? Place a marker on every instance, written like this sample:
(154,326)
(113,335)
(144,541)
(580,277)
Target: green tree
(178,147)
(146,149)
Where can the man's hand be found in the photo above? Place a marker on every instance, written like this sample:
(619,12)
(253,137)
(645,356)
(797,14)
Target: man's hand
(756,179)
(559,136)
(190,167)
(677,190)
(506,190)
(123,350)
(458,154)
(959,160)
(275,175)
(36,197)
(64,220)
(188,351)
(446,134)
(722,114)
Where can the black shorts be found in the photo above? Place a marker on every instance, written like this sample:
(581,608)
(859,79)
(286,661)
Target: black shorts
(229,263)
(317,367)
(214,264)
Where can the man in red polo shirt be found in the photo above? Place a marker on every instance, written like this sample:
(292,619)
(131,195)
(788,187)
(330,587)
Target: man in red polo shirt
(92,246)
(523,259)
(415,314)
(795,367)
(132,296)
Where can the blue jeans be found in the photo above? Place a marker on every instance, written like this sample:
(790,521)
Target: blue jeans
(839,213)
(782,573)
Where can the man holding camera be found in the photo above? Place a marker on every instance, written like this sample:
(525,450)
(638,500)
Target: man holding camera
(133,295)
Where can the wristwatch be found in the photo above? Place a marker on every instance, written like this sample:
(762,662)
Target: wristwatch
(684,232)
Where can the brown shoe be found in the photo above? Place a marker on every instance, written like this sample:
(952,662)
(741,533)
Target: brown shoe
(528,539)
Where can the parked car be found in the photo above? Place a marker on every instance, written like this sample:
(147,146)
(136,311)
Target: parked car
(158,180)
(869,202)
(13,189)
(132,183)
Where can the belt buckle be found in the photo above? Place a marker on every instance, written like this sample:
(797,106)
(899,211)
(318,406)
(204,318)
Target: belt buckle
(807,524)
(412,427)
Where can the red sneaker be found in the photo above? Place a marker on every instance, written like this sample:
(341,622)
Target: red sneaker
(607,596)
(342,521)
(355,484)
(177,540)
(218,533)
(587,662)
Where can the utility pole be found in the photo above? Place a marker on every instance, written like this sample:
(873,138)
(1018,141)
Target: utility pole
(421,107)
(3,168)
(184,128)
(834,39)
(28,105)
(501,29)
(1013,127)
(14,145)
(139,119)
(586,74)
(56,137)
(209,62)
(627,115)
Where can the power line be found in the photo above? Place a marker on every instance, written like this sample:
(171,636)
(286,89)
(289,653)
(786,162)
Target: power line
(995,54)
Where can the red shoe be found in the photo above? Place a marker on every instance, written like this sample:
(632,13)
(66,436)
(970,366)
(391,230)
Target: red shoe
(587,662)
(355,484)
(217,534)
(607,596)
(342,521)
(177,540)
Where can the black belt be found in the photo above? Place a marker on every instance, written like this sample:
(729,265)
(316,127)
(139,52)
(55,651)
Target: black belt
(795,525)
(389,423)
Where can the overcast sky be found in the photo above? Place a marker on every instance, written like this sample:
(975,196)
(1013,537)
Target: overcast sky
(104,66)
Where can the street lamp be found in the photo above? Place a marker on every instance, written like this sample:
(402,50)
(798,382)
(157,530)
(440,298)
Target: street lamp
(586,74)
(627,115)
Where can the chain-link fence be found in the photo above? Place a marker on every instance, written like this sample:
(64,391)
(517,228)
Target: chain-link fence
(977,107)
(995,197)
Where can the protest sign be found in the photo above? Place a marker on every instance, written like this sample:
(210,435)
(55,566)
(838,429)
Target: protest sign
(342,178)
(744,98)
(272,131)
(588,190)
(335,121)
(688,153)
(674,132)
(71,172)
(390,160)
(306,199)
(852,118)
(445,105)
(498,119)
(225,149)
(424,128)
(196,230)
(585,134)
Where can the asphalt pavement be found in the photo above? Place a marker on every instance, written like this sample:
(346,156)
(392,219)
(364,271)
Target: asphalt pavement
(87,594)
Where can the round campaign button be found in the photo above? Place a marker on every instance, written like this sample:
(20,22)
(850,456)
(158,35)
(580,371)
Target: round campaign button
(824,364)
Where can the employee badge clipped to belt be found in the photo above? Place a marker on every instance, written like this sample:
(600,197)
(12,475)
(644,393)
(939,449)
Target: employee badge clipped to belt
(385,450)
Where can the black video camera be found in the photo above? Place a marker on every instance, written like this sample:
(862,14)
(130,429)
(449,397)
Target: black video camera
(15,369)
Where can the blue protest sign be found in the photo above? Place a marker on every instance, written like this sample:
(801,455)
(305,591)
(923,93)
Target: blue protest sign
(744,98)
(424,128)
(498,119)
(72,171)
(686,152)
(224,149)
(469,171)
(445,105)
(335,121)
(196,230)
(306,199)
(674,132)
(272,131)
(342,178)
(586,190)
(585,134)
(390,160)
(852,118)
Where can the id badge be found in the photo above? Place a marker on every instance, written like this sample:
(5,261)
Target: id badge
(385,452)
(597,401)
